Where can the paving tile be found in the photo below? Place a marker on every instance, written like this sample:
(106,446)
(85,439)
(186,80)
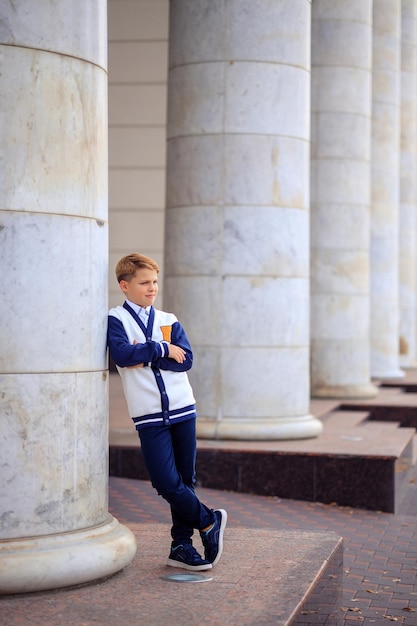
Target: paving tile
(378,547)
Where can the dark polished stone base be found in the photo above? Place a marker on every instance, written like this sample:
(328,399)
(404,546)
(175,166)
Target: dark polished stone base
(406,416)
(363,458)
(367,483)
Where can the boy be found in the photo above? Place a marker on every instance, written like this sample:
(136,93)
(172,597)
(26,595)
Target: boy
(152,354)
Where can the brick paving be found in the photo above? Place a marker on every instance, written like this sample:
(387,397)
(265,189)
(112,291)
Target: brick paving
(380,549)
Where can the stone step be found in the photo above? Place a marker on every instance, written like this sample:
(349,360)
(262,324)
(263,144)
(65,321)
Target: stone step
(264,577)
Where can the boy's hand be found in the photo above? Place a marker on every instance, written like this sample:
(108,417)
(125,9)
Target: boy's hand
(176,353)
(130,367)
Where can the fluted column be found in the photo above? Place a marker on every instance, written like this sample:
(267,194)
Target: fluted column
(55,529)
(340,198)
(385,171)
(237,239)
(408,222)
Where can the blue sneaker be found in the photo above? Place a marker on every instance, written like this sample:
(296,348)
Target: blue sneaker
(213,537)
(187,557)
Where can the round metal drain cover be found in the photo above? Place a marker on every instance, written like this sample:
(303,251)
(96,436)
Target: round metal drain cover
(187,578)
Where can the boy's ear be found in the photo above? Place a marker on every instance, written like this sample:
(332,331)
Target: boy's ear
(123,285)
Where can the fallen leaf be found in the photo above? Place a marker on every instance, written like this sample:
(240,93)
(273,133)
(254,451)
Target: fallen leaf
(409,609)
(371,591)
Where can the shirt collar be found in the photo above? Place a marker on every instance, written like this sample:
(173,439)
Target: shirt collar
(138,309)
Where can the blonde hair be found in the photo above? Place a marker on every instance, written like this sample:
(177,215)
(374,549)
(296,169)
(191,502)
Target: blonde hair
(127,266)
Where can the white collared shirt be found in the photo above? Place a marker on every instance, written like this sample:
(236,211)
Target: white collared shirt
(143,313)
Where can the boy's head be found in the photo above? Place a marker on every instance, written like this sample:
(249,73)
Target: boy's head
(127,266)
(138,278)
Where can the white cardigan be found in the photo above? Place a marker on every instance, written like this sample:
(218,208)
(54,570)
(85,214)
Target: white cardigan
(158,393)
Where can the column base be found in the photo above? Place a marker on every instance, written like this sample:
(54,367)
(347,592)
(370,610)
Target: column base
(66,559)
(305,427)
(388,375)
(346,391)
(408,364)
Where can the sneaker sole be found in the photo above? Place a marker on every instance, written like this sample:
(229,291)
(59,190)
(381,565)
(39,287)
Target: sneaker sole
(221,531)
(191,568)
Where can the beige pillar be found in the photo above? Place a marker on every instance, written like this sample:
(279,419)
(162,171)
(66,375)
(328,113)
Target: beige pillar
(408,223)
(385,170)
(340,198)
(55,529)
(237,239)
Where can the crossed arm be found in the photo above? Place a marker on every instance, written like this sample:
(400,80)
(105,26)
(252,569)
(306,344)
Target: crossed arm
(174,352)
(176,356)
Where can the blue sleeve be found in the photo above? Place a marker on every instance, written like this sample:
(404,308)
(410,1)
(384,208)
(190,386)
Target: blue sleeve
(178,338)
(125,354)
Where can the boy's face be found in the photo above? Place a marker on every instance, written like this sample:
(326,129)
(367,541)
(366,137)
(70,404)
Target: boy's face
(142,289)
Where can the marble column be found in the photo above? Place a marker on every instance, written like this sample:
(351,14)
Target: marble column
(55,529)
(408,223)
(237,224)
(340,198)
(385,170)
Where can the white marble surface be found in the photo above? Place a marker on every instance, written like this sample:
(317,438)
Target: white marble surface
(330,10)
(235,233)
(334,312)
(45,27)
(348,223)
(238,97)
(53,299)
(384,294)
(340,189)
(53,295)
(53,151)
(56,460)
(212,31)
(277,372)
(356,351)
(58,560)
(339,272)
(408,182)
(292,428)
(238,187)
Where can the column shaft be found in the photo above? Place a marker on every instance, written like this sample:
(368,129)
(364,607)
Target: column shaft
(386,55)
(55,529)
(408,221)
(237,239)
(340,197)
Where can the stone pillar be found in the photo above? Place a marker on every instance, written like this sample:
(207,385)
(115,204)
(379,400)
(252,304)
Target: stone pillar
(340,198)
(55,529)
(408,224)
(385,170)
(237,224)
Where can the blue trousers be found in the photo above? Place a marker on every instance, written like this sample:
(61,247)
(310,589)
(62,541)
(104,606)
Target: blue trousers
(169,453)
